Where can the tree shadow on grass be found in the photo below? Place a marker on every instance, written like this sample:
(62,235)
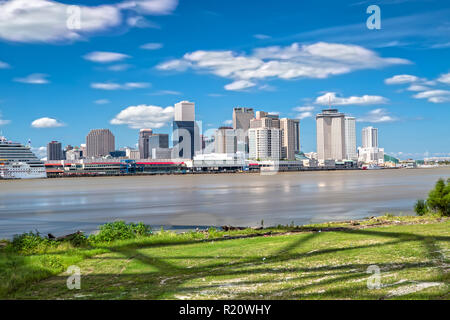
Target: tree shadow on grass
(250,277)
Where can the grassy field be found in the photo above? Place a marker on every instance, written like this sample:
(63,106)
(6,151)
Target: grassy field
(299,263)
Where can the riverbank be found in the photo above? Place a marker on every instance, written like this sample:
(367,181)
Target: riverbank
(320,261)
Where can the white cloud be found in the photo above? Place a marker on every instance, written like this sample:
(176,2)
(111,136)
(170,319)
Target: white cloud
(445,78)
(304,115)
(35,78)
(228,122)
(52,21)
(319,60)
(4,65)
(102,101)
(151,7)
(166,93)
(3,121)
(434,96)
(261,36)
(303,109)
(151,46)
(141,22)
(118,86)
(377,116)
(401,79)
(119,67)
(144,116)
(46,123)
(40,152)
(417,87)
(239,85)
(136,85)
(105,57)
(330,97)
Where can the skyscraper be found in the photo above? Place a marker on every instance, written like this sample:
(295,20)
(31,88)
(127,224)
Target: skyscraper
(241,122)
(370,152)
(290,137)
(186,137)
(99,143)
(264,143)
(225,140)
(330,135)
(54,151)
(184,111)
(370,137)
(158,140)
(144,137)
(350,138)
(242,117)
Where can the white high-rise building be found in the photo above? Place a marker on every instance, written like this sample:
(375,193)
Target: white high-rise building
(370,153)
(370,137)
(330,135)
(264,143)
(184,111)
(350,138)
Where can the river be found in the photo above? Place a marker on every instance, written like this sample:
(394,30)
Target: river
(61,206)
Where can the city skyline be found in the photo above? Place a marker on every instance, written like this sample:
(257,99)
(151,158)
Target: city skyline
(127,76)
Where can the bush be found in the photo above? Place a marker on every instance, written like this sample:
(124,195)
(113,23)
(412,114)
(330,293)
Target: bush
(78,239)
(120,230)
(420,207)
(439,198)
(30,242)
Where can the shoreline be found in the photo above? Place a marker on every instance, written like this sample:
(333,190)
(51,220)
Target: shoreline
(253,172)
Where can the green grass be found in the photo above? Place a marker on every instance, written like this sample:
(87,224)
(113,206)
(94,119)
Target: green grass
(413,259)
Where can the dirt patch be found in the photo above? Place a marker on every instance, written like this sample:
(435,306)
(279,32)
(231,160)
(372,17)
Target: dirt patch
(413,288)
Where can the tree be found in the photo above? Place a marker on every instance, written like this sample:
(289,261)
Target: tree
(439,198)
(420,207)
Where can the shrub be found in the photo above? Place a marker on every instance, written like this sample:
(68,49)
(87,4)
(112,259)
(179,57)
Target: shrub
(420,207)
(30,242)
(52,262)
(120,230)
(78,239)
(439,198)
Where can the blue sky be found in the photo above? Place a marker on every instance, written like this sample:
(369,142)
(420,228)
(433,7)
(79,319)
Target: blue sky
(127,62)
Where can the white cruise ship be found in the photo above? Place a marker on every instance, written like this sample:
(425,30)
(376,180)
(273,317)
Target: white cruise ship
(18,162)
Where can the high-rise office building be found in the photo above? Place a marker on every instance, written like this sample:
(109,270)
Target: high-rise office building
(159,145)
(99,143)
(370,137)
(144,137)
(264,143)
(158,140)
(241,123)
(225,140)
(54,151)
(186,136)
(242,117)
(184,111)
(330,135)
(267,120)
(290,138)
(350,138)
